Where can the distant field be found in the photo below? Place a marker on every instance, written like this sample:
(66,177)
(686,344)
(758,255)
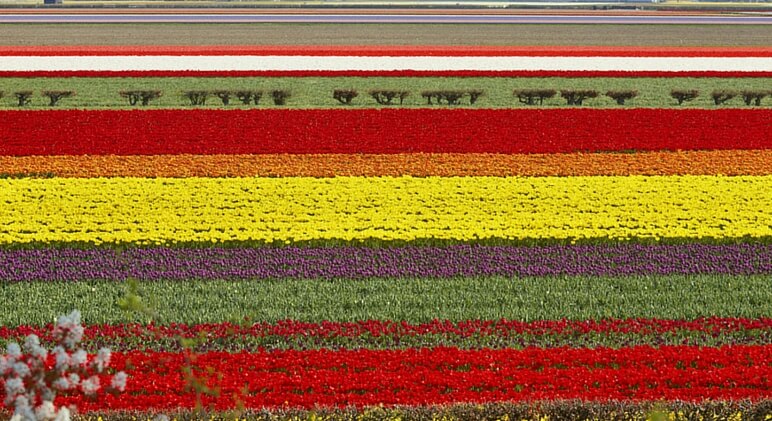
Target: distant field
(476,5)
(316,92)
(373,34)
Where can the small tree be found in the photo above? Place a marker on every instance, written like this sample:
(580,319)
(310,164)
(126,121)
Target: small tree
(722,95)
(246,96)
(345,96)
(577,96)
(621,96)
(225,96)
(31,384)
(451,97)
(386,97)
(429,95)
(684,95)
(280,96)
(142,97)
(23,97)
(196,97)
(147,96)
(55,96)
(753,97)
(474,95)
(530,96)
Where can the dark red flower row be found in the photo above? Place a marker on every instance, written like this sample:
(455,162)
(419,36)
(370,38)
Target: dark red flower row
(375,334)
(443,375)
(297,131)
(387,50)
(377,328)
(385,73)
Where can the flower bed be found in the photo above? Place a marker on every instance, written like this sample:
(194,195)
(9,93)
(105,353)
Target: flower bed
(379,131)
(392,259)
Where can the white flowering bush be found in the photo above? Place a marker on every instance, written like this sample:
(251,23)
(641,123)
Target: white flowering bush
(32,376)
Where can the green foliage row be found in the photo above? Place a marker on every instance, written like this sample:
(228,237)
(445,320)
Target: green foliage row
(411,299)
(317,92)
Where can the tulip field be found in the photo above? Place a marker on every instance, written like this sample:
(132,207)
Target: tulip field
(401,233)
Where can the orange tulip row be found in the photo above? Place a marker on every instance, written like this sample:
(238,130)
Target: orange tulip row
(718,162)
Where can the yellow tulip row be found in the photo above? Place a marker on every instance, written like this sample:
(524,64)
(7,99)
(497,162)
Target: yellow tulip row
(167,210)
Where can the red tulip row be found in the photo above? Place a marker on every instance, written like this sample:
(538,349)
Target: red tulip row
(377,328)
(440,375)
(377,334)
(302,131)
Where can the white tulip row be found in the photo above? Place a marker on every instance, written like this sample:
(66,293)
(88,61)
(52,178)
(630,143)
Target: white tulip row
(381,63)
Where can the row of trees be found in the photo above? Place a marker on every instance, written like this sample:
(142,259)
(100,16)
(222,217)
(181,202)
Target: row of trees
(578,96)
(246,97)
(24,98)
(452,97)
(720,96)
(199,97)
(391,97)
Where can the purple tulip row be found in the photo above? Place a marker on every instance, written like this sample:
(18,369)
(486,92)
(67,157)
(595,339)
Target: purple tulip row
(361,262)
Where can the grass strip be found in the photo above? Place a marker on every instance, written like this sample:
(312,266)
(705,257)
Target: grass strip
(410,299)
(317,92)
(730,162)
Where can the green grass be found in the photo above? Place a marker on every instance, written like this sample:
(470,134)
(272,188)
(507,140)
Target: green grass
(316,92)
(414,300)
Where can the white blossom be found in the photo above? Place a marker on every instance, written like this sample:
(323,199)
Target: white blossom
(21,369)
(46,393)
(102,359)
(63,415)
(32,347)
(22,409)
(46,411)
(79,358)
(119,381)
(74,378)
(61,384)
(63,359)
(13,350)
(28,380)
(13,386)
(69,330)
(90,385)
